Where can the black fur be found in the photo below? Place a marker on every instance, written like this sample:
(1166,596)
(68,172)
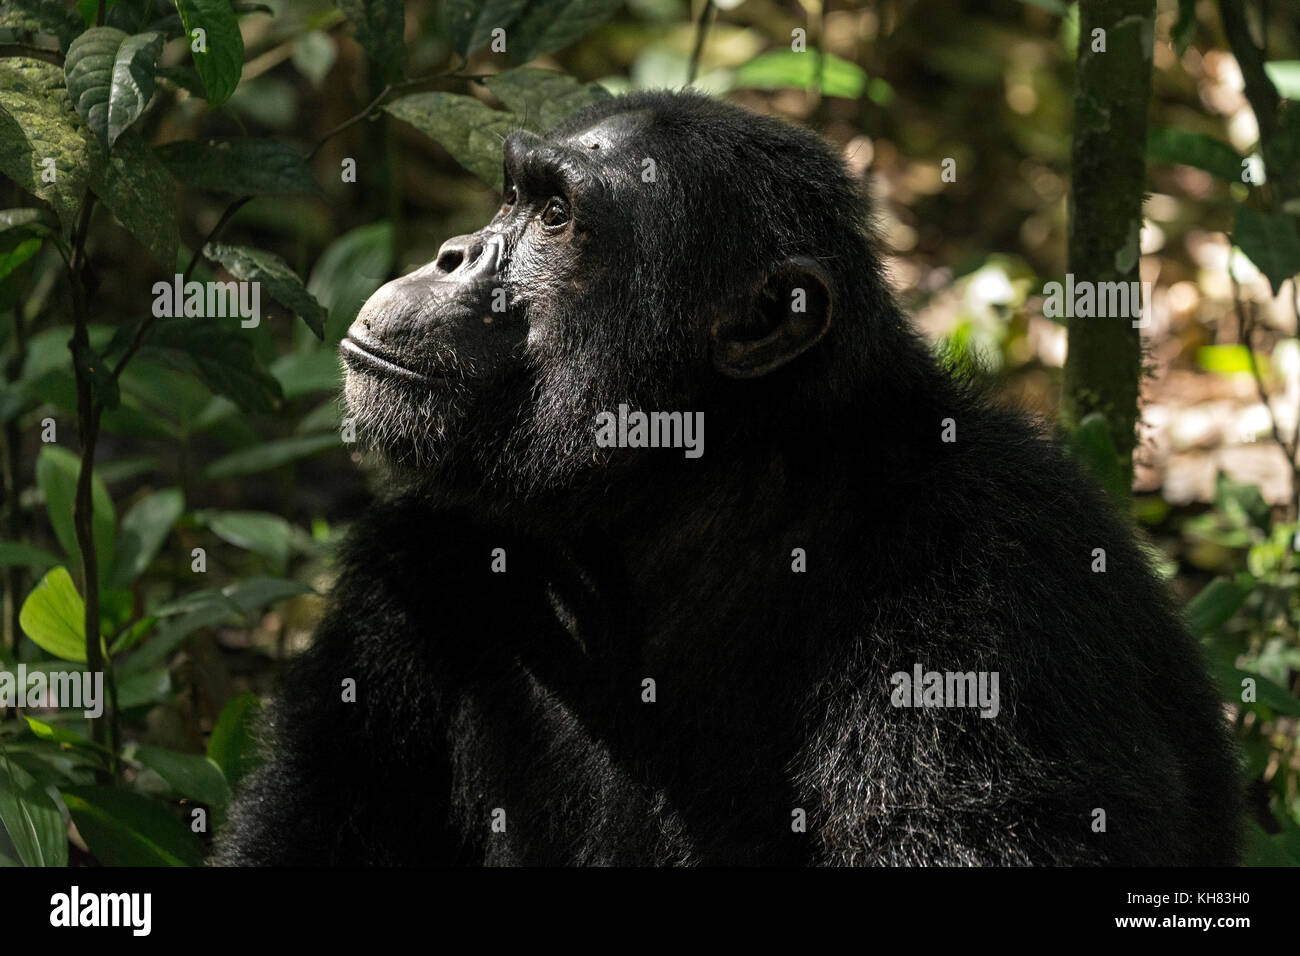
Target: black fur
(522,691)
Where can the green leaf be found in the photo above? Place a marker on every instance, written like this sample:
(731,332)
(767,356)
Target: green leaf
(1226,359)
(15,257)
(37,123)
(256,531)
(379,26)
(221,356)
(110,78)
(1269,240)
(56,476)
(233,744)
(140,192)
(267,455)
(239,167)
(470,22)
(1214,606)
(1170,145)
(470,131)
(541,98)
(301,373)
(787,68)
(350,269)
(209,608)
(550,25)
(189,775)
(219,58)
(125,829)
(144,528)
(1285,75)
(280,281)
(54,616)
(60,735)
(18,554)
(1093,446)
(31,818)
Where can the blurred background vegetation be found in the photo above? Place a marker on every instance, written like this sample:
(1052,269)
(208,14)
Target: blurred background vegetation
(221,483)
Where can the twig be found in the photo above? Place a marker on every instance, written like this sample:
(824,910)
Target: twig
(701,32)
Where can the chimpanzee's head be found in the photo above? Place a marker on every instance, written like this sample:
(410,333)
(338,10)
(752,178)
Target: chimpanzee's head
(660,251)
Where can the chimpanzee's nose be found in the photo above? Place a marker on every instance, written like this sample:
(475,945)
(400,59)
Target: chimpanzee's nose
(471,256)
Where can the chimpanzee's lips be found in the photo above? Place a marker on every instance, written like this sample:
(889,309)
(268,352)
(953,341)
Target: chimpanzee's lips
(366,356)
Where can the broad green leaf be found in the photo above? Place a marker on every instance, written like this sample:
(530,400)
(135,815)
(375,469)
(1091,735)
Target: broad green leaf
(1214,606)
(546,26)
(20,555)
(787,68)
(1170,145)
(350,269)
(56,476)
(239,167)
(144,528)
(280,282)
(233,744)
(541,98)
(256,531)
(54,616)
(470,22)
(1270,240)
(15,257)
(267,455)
(1285,75)
(209,608)
(301,373)
(1093,446)
(221,355)
(140,687)
(1226,359)
(60,734)
(379,26)
(470,131)
(141,194)
(216,45)
(125,829)
(37,123)
(189,775)
(110,78)
(31,818)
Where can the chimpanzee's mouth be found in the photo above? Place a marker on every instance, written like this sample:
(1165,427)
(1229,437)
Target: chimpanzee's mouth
(365,356)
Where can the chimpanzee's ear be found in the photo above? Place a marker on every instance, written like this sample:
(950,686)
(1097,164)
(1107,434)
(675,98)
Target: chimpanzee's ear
(788,314)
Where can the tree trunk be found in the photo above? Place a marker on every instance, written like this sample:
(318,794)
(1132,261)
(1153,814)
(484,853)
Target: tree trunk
(1108,180)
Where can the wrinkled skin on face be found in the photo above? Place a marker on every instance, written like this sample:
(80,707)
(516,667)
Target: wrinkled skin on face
(640,257)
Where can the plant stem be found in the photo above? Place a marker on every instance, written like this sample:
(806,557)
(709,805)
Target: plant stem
(701,32)
(104,733)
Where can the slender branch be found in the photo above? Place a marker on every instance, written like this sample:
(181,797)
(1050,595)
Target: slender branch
(32,52)
(1260,91)
(701,32)
(88,414)
(1246,323)
(348,123)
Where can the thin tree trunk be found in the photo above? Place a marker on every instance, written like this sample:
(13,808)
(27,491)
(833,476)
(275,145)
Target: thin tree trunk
(1103,370)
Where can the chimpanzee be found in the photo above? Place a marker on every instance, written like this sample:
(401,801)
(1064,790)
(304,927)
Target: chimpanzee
(696,554)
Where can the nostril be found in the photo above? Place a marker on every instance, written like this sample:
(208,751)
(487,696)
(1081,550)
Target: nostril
(449,260)
(473,252)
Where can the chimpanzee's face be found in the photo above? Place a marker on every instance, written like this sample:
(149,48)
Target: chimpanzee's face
(585,291)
